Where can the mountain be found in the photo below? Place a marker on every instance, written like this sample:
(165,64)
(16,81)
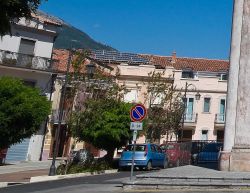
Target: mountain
(80,39)
(67,33)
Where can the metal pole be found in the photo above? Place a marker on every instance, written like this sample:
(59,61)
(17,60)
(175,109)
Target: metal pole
(52,170)
(133,156)
(185,106)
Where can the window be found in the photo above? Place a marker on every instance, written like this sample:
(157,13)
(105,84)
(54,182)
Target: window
(204,135)
(223,76)
(206,108)
(130,96)
(187,74)
(27,46)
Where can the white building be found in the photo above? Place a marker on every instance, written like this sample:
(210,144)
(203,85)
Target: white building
(26,54)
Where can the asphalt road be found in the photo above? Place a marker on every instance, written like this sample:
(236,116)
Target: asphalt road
(96,184)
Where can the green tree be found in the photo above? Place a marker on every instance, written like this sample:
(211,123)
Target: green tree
(165,107)
(104,123)
(15,9)
(22,110)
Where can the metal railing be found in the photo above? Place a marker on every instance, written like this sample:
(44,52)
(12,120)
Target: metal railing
(14,59)
(55,117)
(219,118)
(190,118)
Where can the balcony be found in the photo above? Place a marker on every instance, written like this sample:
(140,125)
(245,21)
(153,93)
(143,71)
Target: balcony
(55,117)
(190,121)
(190,118)
(219,120)
(13,59)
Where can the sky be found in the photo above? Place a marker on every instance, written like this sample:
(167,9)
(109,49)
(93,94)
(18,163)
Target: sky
(191,28)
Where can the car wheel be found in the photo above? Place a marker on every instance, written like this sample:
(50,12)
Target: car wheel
(121,169)
(149,166)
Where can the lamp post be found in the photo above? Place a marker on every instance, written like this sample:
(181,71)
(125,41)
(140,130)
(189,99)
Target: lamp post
(197,97)
(52,170)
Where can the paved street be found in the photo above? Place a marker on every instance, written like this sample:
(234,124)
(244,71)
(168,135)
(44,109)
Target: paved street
(94,184)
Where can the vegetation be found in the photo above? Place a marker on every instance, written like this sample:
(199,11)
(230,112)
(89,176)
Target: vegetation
(22,110)
(80,39)
(165,107)
(99,116)
(15,9)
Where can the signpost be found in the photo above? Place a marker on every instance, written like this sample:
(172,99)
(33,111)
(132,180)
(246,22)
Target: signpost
(137,114)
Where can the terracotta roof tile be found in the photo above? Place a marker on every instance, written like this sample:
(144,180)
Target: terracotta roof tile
(45,19)
(196,64)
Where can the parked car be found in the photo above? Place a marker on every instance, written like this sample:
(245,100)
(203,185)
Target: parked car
(178,153)
(209,153)
(146,156)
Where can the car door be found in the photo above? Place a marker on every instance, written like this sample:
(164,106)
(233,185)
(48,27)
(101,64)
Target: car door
(153,155)
(160,156)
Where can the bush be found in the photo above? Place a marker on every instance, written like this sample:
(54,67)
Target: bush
(97,165)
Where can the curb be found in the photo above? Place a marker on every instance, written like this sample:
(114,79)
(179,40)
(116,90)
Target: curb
(68,176)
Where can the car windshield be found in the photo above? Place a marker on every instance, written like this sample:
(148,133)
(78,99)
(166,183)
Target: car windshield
(212,147)
(137,148)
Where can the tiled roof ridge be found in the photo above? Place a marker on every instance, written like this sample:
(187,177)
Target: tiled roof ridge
(184,57)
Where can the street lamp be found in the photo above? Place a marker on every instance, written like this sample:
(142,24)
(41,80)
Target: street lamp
(197,97)
(52,170)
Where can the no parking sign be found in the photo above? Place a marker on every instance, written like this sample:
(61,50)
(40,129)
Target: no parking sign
(138,113)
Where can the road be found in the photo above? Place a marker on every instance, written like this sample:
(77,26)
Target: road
(94,184)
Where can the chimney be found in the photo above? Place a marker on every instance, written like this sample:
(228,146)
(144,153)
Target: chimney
(173,57)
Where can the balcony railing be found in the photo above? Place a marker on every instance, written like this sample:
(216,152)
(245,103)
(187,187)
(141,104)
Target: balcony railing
(190,118)
(219,118)
(55,117)
(14,59)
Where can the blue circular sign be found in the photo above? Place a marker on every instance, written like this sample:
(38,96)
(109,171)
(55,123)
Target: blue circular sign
(138,113)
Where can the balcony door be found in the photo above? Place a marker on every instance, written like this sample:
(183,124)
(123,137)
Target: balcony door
(26,52)
(189,108)
(222,110)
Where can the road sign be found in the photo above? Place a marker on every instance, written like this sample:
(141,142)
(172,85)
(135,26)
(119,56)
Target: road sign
(138,113)
(135,126)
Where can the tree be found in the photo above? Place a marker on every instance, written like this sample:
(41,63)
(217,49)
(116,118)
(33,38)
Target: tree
(165,107)
(103,123)
(22,110)
(15,9)
(98,115)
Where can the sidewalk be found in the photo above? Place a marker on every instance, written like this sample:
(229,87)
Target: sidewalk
(26,166)
(23,176)
(189,177)
(23,171)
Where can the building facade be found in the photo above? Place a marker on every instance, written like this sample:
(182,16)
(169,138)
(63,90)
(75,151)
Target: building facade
(26,54)
(204,118)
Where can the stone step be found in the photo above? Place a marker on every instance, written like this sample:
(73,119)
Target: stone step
(186,183)
(137,185)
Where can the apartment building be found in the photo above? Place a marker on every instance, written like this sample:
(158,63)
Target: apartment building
(26,54)
(204,117)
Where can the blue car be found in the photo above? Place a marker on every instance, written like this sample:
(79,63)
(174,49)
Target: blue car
(146,156)
(209,153)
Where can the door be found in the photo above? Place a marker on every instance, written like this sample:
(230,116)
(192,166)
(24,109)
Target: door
(189,109)
(160,156)
(222,110)
(153,155)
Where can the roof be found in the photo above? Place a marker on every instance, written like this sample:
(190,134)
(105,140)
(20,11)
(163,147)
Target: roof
(45,18)
(178,63)
(196,64)
(60,60)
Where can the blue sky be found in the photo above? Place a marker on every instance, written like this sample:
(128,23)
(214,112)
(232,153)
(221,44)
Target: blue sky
(192,28)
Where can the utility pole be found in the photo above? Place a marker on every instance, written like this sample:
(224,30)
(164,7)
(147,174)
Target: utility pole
(52,170)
